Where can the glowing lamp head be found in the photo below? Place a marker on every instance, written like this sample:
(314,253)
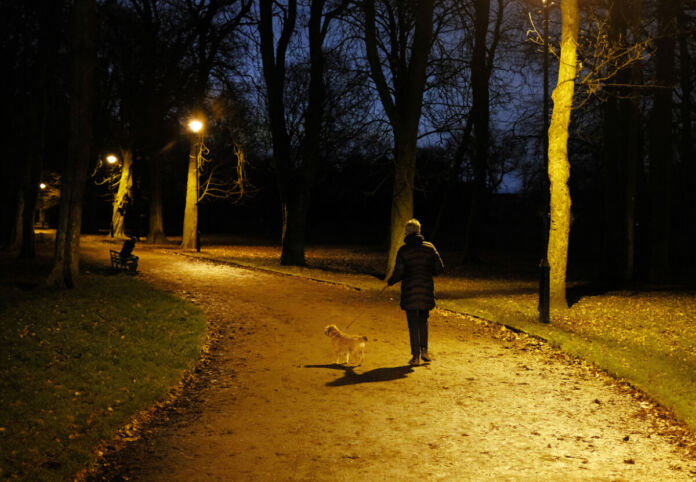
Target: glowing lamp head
(111,159)
(195,125)
(42,185)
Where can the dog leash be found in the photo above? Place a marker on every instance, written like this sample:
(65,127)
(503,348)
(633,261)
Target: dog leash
(363,311)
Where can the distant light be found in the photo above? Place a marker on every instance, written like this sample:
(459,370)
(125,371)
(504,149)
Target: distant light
(195,125)
(42,185)
(111,159)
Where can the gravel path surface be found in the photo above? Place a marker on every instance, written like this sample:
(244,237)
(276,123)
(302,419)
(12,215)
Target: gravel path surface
(270,405)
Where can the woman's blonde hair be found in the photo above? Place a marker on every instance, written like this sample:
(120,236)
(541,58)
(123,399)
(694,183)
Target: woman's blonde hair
(413,226)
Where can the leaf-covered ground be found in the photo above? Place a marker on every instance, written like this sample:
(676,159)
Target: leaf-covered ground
(495,404)
(646,337)
(272,405)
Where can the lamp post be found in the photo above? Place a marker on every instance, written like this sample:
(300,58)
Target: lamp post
(544,267)
(112,161)
(42,209)
(196,127)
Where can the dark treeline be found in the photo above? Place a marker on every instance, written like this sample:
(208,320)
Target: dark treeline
(337,120)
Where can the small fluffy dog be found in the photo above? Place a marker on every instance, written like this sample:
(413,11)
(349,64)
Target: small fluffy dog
(348,347)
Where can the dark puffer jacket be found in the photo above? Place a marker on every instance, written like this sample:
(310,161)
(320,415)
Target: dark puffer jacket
(417,261)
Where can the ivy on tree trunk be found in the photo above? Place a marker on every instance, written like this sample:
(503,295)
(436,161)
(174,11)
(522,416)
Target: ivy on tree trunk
(559,167)
(188,240)
(123,199)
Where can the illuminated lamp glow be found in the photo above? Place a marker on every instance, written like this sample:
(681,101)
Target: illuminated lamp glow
(195,125)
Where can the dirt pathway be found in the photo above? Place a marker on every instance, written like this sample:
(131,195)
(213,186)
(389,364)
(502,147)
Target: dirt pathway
(492,406)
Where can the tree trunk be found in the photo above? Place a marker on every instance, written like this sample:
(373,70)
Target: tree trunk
(32,170)
(634,161)
(28,246)
(559,167)
(403,110)
(188,239)
(661,158)
(299,193)
(633,164)
(452,176)
(49,10)
(17,231)
(293,241)
(291,184)
(66,263)
(480,112)
(123,201)
(686,154)
(617,158)
(402,195)
(614,154)
(155,233)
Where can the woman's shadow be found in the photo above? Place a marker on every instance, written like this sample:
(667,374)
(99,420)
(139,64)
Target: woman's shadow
(376,375)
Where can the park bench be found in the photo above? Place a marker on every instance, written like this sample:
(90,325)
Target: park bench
(125,263)
(124,259)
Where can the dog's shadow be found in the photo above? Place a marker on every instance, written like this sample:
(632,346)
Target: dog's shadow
(377,375)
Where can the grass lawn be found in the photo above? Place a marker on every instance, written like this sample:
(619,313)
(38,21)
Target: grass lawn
(645,337)
(76,365)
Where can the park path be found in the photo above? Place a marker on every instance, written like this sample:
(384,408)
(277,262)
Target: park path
(272,406)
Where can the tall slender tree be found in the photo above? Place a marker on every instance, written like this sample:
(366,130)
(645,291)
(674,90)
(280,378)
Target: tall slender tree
(123,197)
(145,43)
(296,168)
(31,48)
(273,57)
(48,28)
(661,142)
(402,50)
(622,151)
(559,167)
(214,23)
(66,262)
(686,148)
(481,68)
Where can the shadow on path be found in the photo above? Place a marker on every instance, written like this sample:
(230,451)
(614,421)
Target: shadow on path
(377,375)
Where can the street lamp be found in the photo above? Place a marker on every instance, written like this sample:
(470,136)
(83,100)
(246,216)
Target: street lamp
(544,267)
(111,178)
(196,126)
(41,200)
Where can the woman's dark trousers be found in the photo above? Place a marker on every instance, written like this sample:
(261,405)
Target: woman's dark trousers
(418,330)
